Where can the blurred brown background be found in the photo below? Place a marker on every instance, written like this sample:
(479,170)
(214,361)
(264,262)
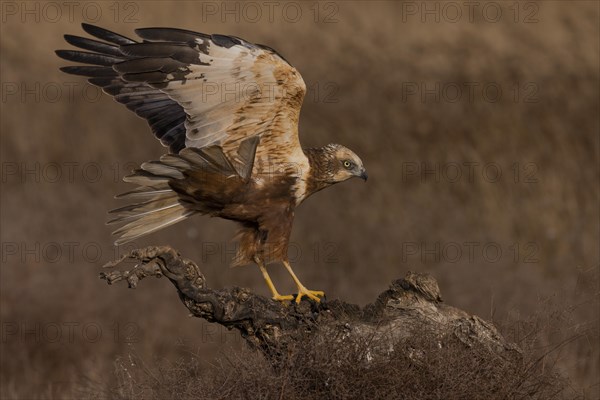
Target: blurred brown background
(478,126)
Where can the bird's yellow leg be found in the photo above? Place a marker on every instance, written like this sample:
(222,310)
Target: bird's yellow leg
(302,290)
(276,295)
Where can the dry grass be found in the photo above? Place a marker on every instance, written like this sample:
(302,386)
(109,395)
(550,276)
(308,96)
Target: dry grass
(417,369)
(354,238)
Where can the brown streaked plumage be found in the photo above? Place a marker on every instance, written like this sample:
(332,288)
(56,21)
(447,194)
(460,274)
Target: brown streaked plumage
(228,110)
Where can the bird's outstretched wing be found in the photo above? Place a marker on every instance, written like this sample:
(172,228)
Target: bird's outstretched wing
(198,90)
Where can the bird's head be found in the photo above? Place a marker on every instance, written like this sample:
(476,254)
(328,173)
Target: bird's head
(343,164)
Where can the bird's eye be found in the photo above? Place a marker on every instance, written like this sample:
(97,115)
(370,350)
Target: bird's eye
(347,164)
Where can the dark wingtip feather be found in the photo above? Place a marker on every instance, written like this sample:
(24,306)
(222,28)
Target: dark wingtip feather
(93,45)
(170,34)
(89,71)
(107,35)
(85,26)
(88,58)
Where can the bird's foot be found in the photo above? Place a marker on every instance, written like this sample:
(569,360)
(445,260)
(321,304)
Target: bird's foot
(311,294)
(280,297)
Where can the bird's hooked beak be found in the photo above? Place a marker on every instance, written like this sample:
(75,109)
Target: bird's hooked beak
(363,175)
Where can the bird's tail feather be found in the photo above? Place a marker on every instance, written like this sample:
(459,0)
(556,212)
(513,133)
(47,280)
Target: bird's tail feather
(156,205)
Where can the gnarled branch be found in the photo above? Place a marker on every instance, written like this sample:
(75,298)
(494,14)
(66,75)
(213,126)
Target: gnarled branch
(411,307)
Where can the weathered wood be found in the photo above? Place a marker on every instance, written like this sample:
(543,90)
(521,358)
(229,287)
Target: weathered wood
(411,307)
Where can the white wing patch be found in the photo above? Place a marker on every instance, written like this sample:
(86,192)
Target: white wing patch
(198,90)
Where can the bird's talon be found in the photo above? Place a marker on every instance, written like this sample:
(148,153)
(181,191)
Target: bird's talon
(279,297)
(311,294)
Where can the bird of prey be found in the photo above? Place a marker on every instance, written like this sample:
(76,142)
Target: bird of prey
(228,111)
